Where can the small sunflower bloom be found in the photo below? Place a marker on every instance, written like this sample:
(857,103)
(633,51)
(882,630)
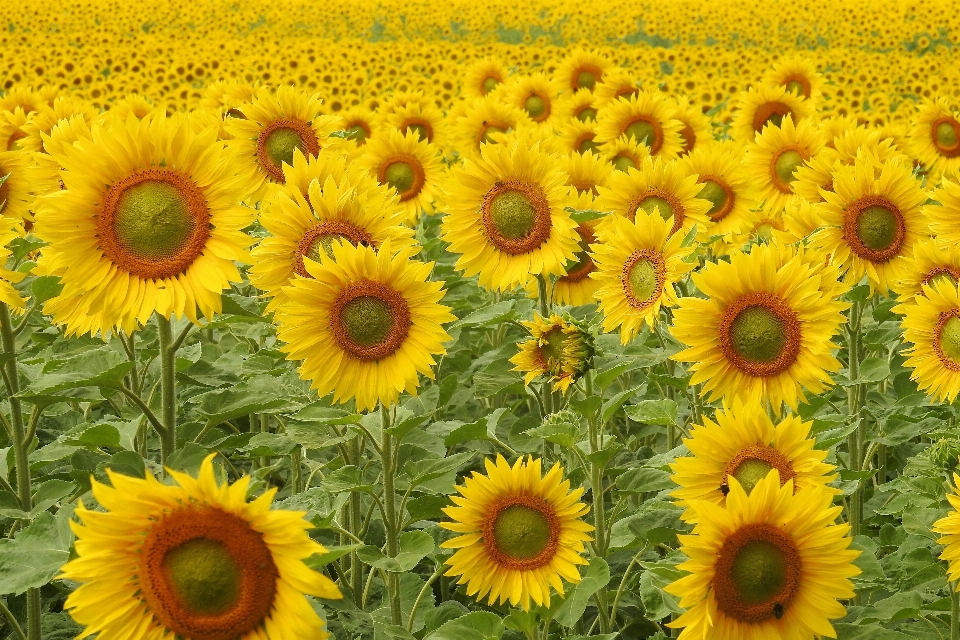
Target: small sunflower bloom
(558,349)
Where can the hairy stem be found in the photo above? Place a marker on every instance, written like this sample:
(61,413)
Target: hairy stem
(390,514)
(168,389)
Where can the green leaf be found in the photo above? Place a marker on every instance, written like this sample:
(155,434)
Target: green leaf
(20,247)
(578,596)
(644,480)
(479,625)
(868,632)
(268,444)
(606,377)
(657,526)
(414,547)
(482,429)
(333,553)
(603,457)
(899,606)
(584,215)
(391,632)
(488,316)
(859,293)
(96,368)
(658,412)
(261,394)
(314,436)
(563,433)
(348,478)
(613,405)
(35,556)
(425,470)
(44,288)
(188,458)
(871,370)
(427,507)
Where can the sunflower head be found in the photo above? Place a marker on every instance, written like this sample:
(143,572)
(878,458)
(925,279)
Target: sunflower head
(560,349)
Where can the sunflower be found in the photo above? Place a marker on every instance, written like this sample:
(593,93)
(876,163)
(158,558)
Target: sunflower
(558,349)
(535,94)
(942,217)
(9,231)
(935,136)
(400,100)
(15,200)
(482,77)
(139,105)
(765,105)
(484,121)
(365,324)
(616,84)
(696,126)
(340,202)
(744,444)
(44,175)
(426,120)
(763,332)
(799,220)
(931,262)
(931,323)
(576,288)
(658,185)
(227,96)
(522,532)
(578,137)
(578,105)
(407,165)
(871,221)
(859,140)
(12,129)
(624,153)
(359,123)
(725,183)
(798,75)
(812,175)
(26,98)
(194,560)
(636,265)
(586,173)
(770,565)
(47,117)
(148,221)
(275,123)
(949,526)
(645,117)
(506,216)
(581,69)
(774,157)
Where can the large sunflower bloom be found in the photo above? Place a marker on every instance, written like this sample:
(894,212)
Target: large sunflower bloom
(744,444)
(764,330)
(935,137)
(871,221)
(943,212)
(406,165)
(582,69)
(932,261)
(636,265)
(522,533)
(15,197)
(9,231)
(949,527)
(771,565)
(194,560)
(506,215)
(725,183)
(931,324)
(797,75)
(774,157)
(148,221)
(484,121)
(365,325)
(645,117)
(762,106)
(483,76)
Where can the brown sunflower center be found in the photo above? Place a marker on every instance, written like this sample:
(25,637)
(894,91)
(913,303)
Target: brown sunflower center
(487,131)
(537,107)
(584,264)
(521,532)
(797,85)
(586,78)
(946,345)
(946,136)
(643,277)
(153,223)
(874,228)
(754,462)
(758,573)
(489,84)
(721,197)
(357,132)
(205,573)
(771,113)
(516,216)
(13,142)
(369,320)
(942,274)
(659,200)
(586,114)
(405,174)
(277,142)
(587,144)
(689,139)
(646,131)
(760,334)
(423,129)
(321,236)
(624,163)
(785,163)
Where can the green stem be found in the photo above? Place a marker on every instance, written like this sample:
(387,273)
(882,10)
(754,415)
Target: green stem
(21,446)
(546,394)
(854,442)
(599,508)
(12,620)
(356,522)
(390,514)
(423,591)
(168,390)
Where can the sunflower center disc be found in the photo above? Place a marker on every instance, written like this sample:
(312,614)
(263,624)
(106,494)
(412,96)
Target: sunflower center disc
(877,227)
(715,193)
(946,135)
(795,86)
(586,114)
(489,84)
(750,472)
(281,143)
(784,166)
(204,575)
(552,349)
(940,276)
(535,106)
(513,215)
(356,133)
(642,131)
(488,132)
(367,320)
(420,129)
(623,163)
(759,572)
(950,339)
(153,220)
(586,80)
(758,335)
(587,145)
(521,532)
(642,280)
(400,176)
(652,203)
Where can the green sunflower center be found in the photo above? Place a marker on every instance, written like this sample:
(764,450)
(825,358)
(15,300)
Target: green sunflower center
(758,335)
(281,143)
(750,472)
(586,80)
(588,145)
(642,131)
(367,321)
(324,242)
(13,142)
(521,532)
(204,575)
(489,131)
(535,106)
(796,87)
(759,572)
(650,203)
(950,339)
(775,119)
(489,84)
(552,350)
(943,276)
(786,163)
(586,114)
(877,227)
(513,215)
(420,129)
(715,193)
(400,176)
(623,163)
(946,135)
(153,220)
(642,280)
(355,133)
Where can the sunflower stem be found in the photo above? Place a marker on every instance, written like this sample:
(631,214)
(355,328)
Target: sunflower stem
(356,523)
(545,393)
(390,515)
(599,509)
(168,390)
(12,620)
(854,444)
(21,447)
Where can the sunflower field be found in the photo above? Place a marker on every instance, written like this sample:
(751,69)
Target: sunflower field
(453,321)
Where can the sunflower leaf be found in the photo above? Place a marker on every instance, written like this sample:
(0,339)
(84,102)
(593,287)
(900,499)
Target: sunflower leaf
(479,625)
(35,556)
(571,608)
